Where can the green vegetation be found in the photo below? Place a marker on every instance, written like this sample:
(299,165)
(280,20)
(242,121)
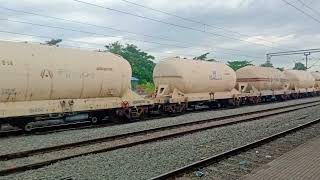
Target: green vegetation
(281,69)
(148,87)
(299,66)
(204,57)
(53,42)
(235,65)
(267,64)
(141,62)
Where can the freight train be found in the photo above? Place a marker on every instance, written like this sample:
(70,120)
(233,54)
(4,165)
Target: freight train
(40,83)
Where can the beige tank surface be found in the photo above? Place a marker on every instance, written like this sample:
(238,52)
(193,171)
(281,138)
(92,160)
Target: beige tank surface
(260,78)
(37,72)
(189,76)
(316,76)
(300,79)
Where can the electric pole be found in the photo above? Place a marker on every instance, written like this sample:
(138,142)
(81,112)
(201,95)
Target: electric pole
(307,54)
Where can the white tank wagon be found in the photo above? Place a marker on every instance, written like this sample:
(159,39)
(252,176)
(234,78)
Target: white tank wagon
(302,81)
(257,79)
(181,80)
(316,76)
(44,80)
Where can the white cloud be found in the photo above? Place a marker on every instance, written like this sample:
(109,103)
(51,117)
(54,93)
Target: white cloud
(263,21)
(269,40)
(99,40)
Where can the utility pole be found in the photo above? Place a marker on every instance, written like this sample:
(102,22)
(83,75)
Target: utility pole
(307,54)
(268,59)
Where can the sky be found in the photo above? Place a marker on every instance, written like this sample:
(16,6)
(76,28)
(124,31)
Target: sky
(228,29)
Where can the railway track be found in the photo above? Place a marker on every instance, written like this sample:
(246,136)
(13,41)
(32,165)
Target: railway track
(33,159)
(43,130)
(54,129)
(210,161)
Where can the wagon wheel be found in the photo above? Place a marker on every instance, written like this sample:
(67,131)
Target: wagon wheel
(237,102)
(256,100)
(94,120)
(141,113)
(28,127)
(24,125)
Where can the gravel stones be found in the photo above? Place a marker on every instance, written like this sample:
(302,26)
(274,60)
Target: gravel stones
(146,161)
(14,144)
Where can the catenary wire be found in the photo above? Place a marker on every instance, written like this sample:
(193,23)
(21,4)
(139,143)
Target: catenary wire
(309,7)
(302,11)
(191,20)
(204,50)
(172,24)
(106,27)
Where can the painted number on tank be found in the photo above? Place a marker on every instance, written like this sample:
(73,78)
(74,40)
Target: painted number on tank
(87,75)
(64,73)
(103,69)
(36,110)
(215,76)
(46,73)
(6,91)
(6,62)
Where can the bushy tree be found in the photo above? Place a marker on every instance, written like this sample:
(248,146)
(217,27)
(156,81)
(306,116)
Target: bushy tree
(267,64)
(204,57)
(115,48)
(299,66)
(53,42)
(141,62)
(201,57)
(281,69)
(235,65)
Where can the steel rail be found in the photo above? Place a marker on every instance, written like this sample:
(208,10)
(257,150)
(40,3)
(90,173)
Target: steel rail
(36,165)
(32,152)
(27,153)
(79,125)
(232,152)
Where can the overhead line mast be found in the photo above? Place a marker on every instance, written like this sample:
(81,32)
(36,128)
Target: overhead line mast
(305,52)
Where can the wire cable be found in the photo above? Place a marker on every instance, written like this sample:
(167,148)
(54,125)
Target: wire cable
(105,27)
(190,20)
(302,11)
(87,32)
(307,6)
(84,23)
(171,24)
(64,40)
(47,37)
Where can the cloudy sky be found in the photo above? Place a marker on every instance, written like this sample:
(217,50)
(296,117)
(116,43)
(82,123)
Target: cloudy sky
(228,29)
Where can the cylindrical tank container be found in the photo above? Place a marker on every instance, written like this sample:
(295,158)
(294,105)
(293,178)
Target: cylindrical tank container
(40,72)
(300,79)
(262,78)
(316,76)
(190,76)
